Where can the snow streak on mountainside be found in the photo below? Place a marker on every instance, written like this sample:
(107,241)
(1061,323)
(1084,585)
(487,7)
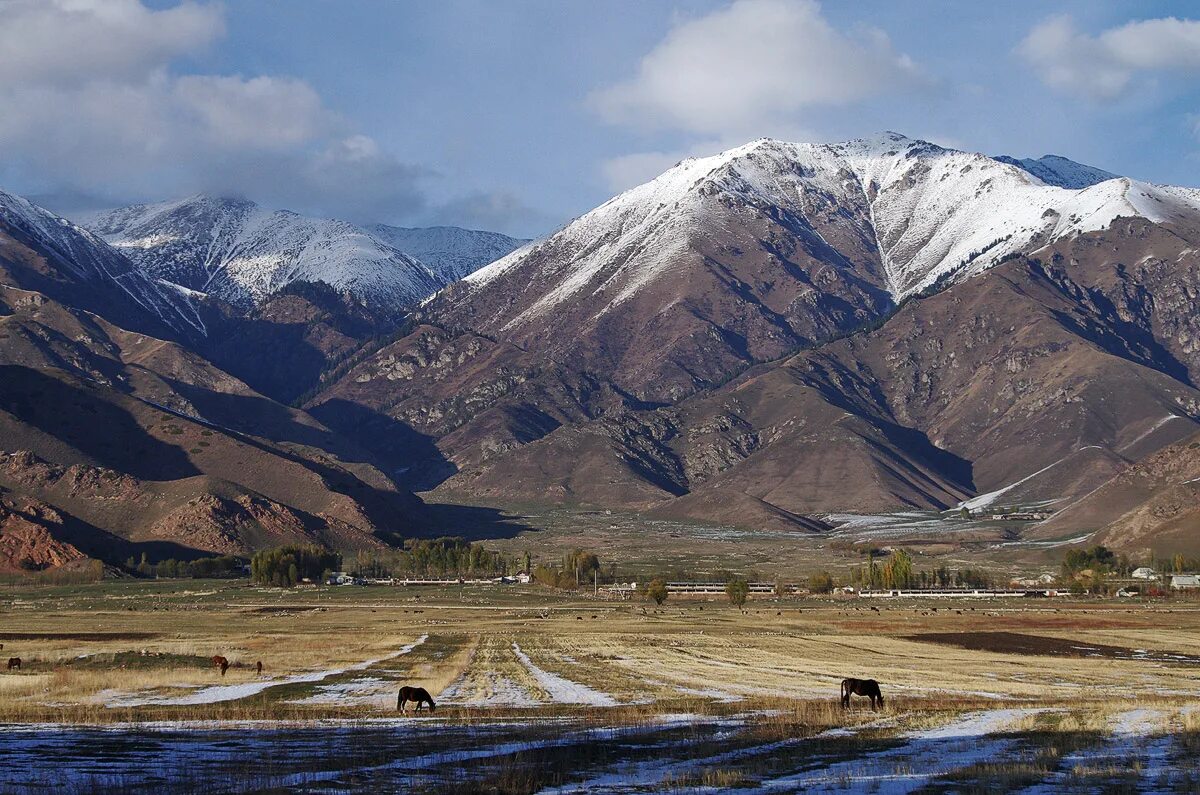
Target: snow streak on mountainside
(242,253)
(934,215)
(90,260)
(1059,171)
(449,251)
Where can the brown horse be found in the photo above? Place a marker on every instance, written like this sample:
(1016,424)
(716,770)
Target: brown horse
(258,668)
(861,687)
(418,694)
(14,662)
(220,662)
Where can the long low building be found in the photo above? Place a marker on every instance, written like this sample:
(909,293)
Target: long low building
(982,593)
(716,587)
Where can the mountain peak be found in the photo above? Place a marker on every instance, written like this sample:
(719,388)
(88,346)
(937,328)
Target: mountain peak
(1059,171)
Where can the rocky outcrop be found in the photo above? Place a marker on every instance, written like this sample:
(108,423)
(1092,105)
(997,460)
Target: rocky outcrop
(28,540)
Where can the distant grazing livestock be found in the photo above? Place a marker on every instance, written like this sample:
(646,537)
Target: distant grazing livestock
(861,687)
(418,694)
(14,662)
(258,668)
(220,662)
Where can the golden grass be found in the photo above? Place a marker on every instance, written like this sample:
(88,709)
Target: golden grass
(791,653)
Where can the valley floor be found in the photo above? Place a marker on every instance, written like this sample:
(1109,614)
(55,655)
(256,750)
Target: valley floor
(539,692)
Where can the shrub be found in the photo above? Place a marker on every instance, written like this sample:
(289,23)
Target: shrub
(657,590)
(737,591)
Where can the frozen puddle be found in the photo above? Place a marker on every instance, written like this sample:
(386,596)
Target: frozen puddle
(925,755)
(218,693)
(562,690)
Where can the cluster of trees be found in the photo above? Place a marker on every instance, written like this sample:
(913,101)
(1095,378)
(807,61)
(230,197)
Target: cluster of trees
(579,568)
(897,571)
(218,566)
(1090,569)
(1176,564)
(449,556)
(1099,560)
(286,566)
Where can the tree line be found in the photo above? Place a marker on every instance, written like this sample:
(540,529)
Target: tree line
(200,568)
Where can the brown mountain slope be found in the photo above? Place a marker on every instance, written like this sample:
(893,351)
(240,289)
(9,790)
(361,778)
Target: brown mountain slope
(1023,369)
(1151,507)
(201,462)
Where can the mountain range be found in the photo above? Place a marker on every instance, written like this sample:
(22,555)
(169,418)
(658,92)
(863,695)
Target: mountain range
(242,253)
(771,336)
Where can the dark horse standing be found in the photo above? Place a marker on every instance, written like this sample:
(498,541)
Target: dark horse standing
(861,687)
(14,662)
(417,694)
(220,662)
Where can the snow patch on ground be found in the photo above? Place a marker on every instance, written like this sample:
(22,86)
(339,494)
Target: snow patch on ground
(925,755)
(497,691)
(218,693)
(562,690)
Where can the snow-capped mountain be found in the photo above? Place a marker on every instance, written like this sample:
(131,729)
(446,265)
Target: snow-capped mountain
(1059,171)
(75,257)
(242,253)
(928,214)
(449,251)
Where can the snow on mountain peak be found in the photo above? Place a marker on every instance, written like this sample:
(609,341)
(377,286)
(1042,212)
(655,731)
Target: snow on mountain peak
(91,260)
(241,252)
(936,214)
(1060,172)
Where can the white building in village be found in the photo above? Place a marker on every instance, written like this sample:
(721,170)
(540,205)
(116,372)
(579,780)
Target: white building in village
(1144,573)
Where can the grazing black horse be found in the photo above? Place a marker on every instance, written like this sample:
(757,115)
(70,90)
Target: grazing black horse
(861,687)
(418,694)
(14,662)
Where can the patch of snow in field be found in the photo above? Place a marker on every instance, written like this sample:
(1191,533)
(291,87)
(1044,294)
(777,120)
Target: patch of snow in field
(497,691)
(562,690)
(926,754)
(1133,740)
(218,693)
(359,692)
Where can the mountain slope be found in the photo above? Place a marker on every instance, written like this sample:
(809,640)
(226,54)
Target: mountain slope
(241,253)
(1049,372)
(449,251)
(1059,171)
(671,288)
(130,441)
(1151,507)
(42,252)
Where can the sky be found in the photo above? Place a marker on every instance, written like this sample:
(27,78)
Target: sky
(517,115)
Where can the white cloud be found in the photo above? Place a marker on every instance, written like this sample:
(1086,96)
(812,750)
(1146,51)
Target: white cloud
(67,42)
(91,107)
(754,66)
(1105,66)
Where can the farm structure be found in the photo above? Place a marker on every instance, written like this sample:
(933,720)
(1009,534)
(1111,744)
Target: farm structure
(981,593)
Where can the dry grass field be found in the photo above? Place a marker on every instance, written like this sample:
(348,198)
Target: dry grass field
(537,691)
